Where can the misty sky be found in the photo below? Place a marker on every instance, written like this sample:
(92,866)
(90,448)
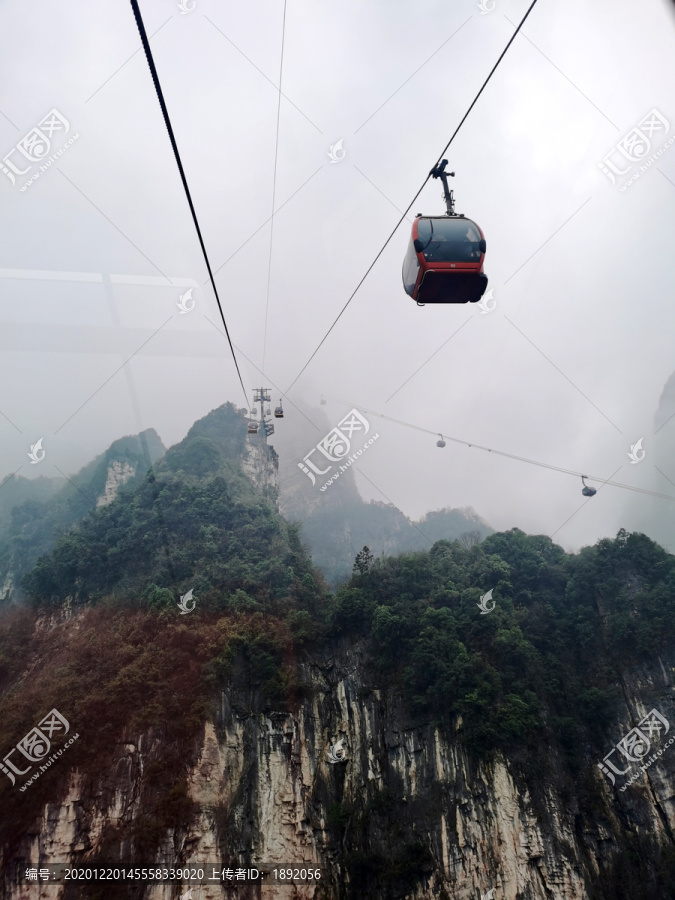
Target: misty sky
(567,369)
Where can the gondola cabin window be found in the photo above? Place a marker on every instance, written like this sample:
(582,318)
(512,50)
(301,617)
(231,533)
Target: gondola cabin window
(449,240)
(411,267)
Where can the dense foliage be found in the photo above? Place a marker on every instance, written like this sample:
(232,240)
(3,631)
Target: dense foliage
(120,674)
(546,657)
(335,531)
(35,513)
(133,665)
(15,490)
(196,523)
(532,677)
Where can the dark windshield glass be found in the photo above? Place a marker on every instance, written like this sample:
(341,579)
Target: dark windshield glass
(449,240)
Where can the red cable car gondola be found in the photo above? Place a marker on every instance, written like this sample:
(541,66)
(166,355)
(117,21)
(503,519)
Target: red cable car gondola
(444,262)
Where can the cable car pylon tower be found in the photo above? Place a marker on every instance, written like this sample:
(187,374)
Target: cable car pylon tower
(262,396)
(263,455)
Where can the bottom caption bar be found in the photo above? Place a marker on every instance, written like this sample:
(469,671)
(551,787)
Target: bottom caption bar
(203,873)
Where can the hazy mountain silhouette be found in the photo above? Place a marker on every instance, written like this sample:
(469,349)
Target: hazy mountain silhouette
(338,522)
(34,513)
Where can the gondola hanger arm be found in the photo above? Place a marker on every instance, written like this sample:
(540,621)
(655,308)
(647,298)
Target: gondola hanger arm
(439,172)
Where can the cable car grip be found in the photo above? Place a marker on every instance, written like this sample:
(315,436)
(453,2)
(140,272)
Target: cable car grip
(439,172)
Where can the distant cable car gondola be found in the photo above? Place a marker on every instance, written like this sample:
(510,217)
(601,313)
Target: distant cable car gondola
(252,427)
(444,262)
(440,443)
(587,491)
(279,411)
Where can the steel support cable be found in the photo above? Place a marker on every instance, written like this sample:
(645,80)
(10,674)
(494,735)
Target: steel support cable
(274,184)
(532,462)
(409,207)
(167,122)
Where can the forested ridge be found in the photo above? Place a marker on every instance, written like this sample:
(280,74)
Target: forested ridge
(537,679)
(33,513)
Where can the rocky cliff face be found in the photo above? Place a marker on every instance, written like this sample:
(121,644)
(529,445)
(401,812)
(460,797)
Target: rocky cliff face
(261,464)
(407,813)
(162,776)
(118,474)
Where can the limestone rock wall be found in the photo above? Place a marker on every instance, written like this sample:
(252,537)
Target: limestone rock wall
(118,474)
(267,792)
(261,465)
